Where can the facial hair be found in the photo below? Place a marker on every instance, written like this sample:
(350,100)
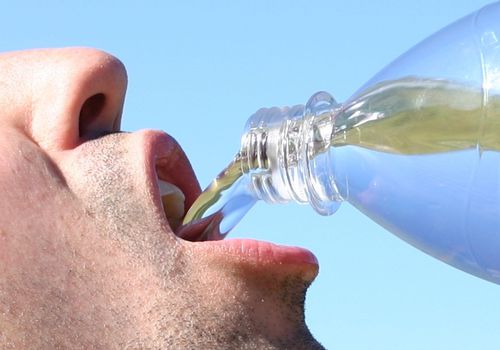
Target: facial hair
(181,313)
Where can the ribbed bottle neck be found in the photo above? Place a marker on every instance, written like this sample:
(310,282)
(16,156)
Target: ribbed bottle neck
(286,154)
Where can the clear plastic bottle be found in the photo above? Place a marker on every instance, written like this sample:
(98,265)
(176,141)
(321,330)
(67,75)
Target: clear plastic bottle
(417,149)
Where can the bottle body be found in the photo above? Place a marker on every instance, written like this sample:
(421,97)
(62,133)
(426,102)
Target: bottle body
(417,148)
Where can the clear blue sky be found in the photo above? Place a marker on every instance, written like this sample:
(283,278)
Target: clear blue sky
(198,69)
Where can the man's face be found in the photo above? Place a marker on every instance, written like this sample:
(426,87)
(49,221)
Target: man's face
(88,257)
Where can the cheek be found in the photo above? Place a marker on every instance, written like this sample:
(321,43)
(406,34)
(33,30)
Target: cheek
(36,214)
(32,187)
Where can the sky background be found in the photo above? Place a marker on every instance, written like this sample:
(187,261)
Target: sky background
(198,69)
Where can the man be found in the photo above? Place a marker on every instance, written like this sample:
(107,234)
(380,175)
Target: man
(89,258)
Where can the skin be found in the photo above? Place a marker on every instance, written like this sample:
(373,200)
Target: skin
(87,257)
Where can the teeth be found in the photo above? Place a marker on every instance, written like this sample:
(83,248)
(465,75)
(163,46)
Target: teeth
(173,203)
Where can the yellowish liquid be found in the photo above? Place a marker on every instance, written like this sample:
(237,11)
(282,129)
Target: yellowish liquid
(214,192)
(421,117)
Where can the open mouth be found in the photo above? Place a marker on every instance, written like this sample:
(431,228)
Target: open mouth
(173,205)
(176,189)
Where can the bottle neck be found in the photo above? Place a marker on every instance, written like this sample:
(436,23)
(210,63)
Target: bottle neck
(286,154)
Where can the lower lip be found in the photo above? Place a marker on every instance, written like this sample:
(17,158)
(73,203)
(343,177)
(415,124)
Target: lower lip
(262,253)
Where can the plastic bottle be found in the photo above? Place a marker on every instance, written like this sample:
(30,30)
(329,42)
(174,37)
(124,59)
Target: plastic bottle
(417,149)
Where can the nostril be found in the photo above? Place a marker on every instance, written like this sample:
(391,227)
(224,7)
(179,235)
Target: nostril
(90,113)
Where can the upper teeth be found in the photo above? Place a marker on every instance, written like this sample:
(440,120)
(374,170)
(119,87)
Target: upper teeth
(173,203)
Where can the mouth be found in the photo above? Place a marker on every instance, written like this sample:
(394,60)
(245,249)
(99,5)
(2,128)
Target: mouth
(175,188)
(174,207)
(172,184)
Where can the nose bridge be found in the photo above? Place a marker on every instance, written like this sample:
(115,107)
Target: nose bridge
(76,92)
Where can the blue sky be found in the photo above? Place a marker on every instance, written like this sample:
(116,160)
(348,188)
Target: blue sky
(198,69)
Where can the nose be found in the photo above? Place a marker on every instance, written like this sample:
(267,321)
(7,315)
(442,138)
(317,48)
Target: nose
(77,95)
